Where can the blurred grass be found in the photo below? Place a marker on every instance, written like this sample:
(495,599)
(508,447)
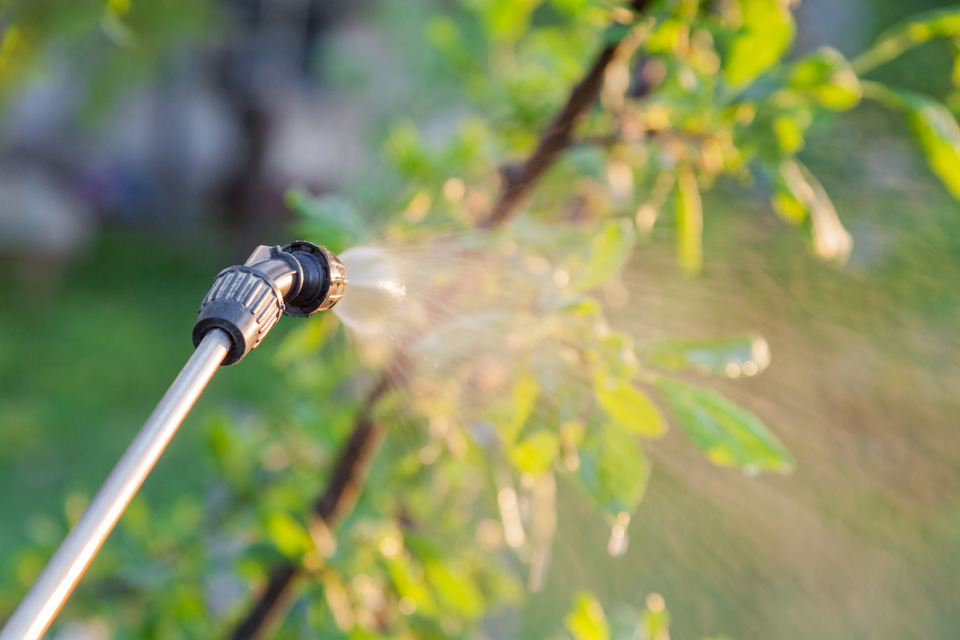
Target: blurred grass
(84,361)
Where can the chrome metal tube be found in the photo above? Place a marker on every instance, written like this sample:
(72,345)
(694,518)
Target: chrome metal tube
(37,610)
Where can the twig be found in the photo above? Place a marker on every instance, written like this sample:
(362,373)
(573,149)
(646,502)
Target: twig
(346,481)
(519,180)
(337,499)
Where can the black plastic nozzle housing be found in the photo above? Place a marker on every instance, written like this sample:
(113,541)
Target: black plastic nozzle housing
(245,301)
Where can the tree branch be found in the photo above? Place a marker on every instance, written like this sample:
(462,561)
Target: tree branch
(347,478)
(336,500)
(520,180)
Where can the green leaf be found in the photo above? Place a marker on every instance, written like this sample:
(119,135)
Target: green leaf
(613,469)
(510,412)
(408,154)
(525,394)
(747,354)
(609,252)
(799,197)
(331,217)
(790,129)
(535,453)
(580,308)
(445,36)
(765,35)
(668,36)
(289,536)
(507,20)
(729,435)
(407,581)
(689,222)
(305,339)
(829,78)
(455,588)
(922,28)
(628,407)
(934,127)
(572,7)
(791,197)
(586,621)
(232,459)
(615,33)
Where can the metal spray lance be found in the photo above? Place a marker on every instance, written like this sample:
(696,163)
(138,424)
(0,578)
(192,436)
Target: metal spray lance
(243,304)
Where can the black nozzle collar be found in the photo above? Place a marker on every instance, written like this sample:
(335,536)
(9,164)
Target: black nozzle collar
(245,301)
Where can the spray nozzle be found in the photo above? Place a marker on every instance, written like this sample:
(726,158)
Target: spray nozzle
(245,301)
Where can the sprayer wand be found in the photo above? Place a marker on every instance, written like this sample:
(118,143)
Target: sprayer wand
(243,304)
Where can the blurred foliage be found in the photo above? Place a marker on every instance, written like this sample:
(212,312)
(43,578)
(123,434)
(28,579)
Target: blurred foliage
(588,621)
(459,507)
(106,44)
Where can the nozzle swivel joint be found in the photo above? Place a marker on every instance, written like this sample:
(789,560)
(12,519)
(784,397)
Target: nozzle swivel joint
(245,301)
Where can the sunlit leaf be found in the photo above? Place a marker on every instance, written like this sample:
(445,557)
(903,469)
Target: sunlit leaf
(586,621)
(628,407)
(790,129)
(728,434)
(766,32)
(831,241)
(829,78)
(571,7)
(510,412)
(934,127)
(455,588)
(535,453)
(507,20)
(748,354)
(525,394)
(613,469)
(668,36)
(689,222)
(581,307)
(799,197)
(408,583)
(610,249)
(791,198)
(938,23)
(290,537)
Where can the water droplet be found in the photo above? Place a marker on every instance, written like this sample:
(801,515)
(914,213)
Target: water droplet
(454,189)
(656,603)
(407,605)
(390,546)
(617,544)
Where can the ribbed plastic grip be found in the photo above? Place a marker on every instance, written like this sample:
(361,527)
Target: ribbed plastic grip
(243,302)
